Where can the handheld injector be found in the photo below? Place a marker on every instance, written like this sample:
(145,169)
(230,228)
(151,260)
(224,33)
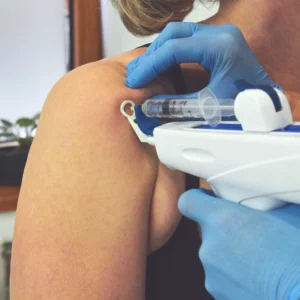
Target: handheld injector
(254,161)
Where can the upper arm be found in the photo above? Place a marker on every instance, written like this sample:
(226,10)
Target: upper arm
(82,220)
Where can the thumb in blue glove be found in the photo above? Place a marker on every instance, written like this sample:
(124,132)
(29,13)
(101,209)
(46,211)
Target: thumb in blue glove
(246,254)
(221,50)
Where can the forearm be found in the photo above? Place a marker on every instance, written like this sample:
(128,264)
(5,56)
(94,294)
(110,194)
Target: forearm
(82,220)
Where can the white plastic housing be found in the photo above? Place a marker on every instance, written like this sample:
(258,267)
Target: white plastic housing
(255,166)
(260,170)
(255,111)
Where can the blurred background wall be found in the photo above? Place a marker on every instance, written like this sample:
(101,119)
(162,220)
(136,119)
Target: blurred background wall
(32,49)
(32,54)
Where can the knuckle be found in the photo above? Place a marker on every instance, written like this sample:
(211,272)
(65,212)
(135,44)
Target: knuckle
(230,37)
(206,250)
(172,27)
(232,29)
(204,254)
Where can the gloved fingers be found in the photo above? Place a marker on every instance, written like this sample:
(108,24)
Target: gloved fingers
(199,206)
(222,288)
(207,47)
(185,50)
(179,30)
(218,259)
(174,30)
(132,64)
(217,291)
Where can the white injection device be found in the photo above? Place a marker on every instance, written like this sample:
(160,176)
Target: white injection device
(255,161)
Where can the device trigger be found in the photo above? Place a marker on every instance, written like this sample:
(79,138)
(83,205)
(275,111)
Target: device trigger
(132,120)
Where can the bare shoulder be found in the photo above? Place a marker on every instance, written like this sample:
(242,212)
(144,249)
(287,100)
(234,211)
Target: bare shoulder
(99,79)
(126,57)
(116,63)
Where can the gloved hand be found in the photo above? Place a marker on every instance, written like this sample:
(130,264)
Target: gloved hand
(221,50)
(246,254)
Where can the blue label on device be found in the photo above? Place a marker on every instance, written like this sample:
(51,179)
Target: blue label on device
(238,127)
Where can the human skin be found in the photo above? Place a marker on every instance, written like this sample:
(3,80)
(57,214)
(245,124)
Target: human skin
(84,212)
(94,201)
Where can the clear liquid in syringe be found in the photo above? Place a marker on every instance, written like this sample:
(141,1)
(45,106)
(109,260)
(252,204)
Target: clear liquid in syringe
(206,107)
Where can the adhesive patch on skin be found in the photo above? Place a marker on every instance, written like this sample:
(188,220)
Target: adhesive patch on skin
(127,108)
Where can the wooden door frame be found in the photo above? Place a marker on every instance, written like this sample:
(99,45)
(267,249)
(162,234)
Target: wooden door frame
(86,33)
(9,198)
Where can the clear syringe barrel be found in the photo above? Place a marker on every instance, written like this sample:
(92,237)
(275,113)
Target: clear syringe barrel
(207,107)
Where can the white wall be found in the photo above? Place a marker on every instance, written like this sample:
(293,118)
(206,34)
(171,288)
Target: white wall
(32,56)
(7,222)
(117,39)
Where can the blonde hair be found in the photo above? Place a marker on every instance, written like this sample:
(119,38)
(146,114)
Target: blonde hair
(146,17)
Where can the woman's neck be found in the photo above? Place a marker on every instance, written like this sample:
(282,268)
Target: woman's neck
(272,29)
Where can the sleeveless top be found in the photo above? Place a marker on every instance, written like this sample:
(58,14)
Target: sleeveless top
(175,272)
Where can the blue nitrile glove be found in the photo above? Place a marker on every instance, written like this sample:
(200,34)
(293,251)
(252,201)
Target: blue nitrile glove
(246,253)
(222,50)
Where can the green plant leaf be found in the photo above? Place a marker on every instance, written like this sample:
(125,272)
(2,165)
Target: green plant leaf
(6,123)
(25,122)
(36,117)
